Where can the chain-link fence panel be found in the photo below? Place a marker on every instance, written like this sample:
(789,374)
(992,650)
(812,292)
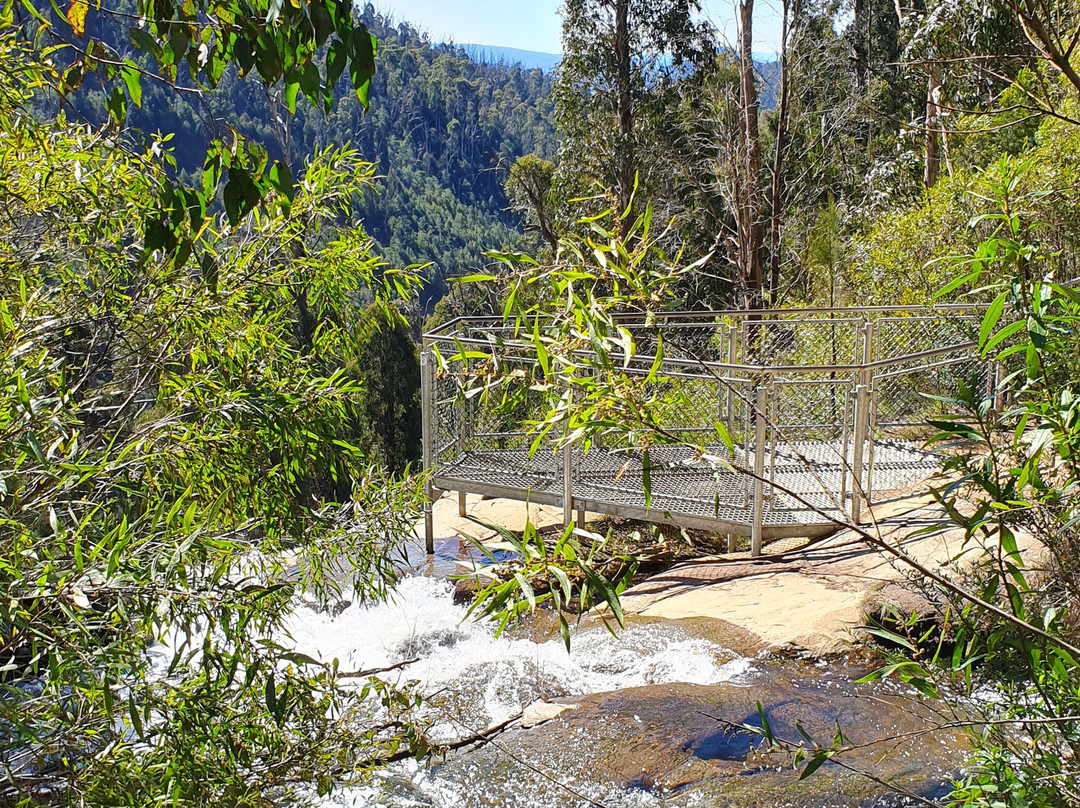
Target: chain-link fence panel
(800,342)
(689,468)
(896,337)
(484,409)
(810,442)
(847,395)
(906,397)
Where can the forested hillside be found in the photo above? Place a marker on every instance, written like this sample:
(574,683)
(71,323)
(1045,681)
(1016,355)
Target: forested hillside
(442,131)
(210,415)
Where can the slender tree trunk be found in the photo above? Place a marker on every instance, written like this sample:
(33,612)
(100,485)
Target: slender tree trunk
(624,111)
(932,157)
(932,126)
(863,9)
(791,16)
(750,225)
(1054,45)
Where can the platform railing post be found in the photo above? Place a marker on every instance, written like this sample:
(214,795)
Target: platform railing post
(999,392)
(757,528)
(732,355)
(729,408)
(862,425)
(463,422)
(427,420)
(568,484)
(862,399)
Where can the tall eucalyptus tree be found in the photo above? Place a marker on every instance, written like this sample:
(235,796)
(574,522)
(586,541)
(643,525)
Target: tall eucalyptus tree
(618,58)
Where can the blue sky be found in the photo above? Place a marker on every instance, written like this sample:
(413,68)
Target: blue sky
(534,24)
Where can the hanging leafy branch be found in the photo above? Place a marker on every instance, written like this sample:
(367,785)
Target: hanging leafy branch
(176,461)
(303,48)
(571,573)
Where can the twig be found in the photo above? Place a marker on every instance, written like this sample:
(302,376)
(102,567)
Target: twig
(363,674)
(475,738)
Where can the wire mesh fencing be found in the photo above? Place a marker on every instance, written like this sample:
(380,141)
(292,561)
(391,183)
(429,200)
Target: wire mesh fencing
(767,424)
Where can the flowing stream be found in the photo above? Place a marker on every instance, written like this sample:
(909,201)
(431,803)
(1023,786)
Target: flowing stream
(485,679)
(646,725)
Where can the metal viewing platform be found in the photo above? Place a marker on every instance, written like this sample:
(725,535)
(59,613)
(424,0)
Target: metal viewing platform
(826,409)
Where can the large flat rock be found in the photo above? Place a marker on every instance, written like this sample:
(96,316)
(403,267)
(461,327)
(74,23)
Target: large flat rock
(812,598)
(679,745)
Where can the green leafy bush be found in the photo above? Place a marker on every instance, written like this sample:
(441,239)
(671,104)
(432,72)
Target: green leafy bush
(901,259)
(385,362)
(172,450)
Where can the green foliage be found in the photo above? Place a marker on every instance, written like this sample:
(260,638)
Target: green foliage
(806,750)
(172,457)
(903,257)
(1006,128)
(589,383)
(825,256)
(441,131)
(561,572)
(655,128)
(1014,459)
(898,262)
(530,189)
(384,360)
(589,368)
(466,299)
(282,43)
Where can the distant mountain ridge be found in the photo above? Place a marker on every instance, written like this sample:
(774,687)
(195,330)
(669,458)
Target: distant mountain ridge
(498,55)
(768,66)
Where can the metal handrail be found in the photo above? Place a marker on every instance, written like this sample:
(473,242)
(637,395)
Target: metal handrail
(740,314)
(763,370)
(836,417)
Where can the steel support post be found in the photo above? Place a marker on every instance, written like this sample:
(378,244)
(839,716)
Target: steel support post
(463,424)
(759,469)
(862,425)
(568,484)
(871,444)
(427,419)
(862,428)
(732,356)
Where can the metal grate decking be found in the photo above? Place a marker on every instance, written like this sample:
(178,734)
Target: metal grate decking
(826,412)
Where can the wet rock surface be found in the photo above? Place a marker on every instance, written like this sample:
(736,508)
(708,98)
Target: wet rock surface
(651,705)
(669,745)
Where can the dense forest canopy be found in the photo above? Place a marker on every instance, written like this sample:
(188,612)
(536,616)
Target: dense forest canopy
(222,223)
(441,129)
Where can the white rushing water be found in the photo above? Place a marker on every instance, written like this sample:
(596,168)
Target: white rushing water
(475,679)
(493,678)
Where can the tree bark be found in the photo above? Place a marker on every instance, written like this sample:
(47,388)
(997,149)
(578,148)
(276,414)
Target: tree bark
(863,8)
(624,112)
(932,156)
(750,226)
(1041,33)
(791,15)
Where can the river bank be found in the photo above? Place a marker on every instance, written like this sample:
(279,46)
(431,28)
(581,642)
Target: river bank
(655,717)
(806,598)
